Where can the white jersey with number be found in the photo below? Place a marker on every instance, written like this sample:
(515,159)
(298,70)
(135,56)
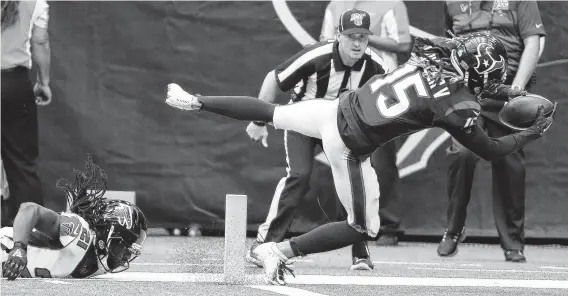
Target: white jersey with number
(76,239)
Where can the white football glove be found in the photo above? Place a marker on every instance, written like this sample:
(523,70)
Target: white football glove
(258,133)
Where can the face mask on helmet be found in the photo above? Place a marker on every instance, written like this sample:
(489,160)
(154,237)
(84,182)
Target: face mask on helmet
(481,59)
(122,237)
(478,82)
(120,247)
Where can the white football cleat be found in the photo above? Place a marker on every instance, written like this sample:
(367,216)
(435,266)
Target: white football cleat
(179,98)
(273,262)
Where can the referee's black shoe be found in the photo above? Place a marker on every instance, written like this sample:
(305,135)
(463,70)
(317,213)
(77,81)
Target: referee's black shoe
(449,244)
(515,256)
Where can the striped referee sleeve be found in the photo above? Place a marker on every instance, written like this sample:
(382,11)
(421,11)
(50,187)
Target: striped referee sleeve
(301,65)
(379,63)
(375,65)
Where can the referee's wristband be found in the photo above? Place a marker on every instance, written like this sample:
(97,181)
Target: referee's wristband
(259,123)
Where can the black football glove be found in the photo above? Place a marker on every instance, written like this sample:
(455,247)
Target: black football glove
(17,261)
(501,92)
(542,123)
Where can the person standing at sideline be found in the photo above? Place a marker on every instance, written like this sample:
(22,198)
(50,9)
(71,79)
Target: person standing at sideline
(518,25)
(25,41)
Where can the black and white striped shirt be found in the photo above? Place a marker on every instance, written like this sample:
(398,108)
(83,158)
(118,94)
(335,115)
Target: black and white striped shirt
(317,72)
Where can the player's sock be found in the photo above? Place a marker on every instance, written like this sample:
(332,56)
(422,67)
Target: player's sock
(238,107)
(360,250)
(328,237)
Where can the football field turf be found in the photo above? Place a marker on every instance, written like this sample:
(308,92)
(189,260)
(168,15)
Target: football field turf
(194,266)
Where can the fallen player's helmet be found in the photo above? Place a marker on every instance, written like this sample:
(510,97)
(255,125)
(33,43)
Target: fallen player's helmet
(481,59)
(121,232)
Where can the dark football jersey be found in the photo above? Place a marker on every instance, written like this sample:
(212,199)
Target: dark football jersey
(404,102)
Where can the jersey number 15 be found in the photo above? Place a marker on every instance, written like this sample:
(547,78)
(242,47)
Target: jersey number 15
(400,84)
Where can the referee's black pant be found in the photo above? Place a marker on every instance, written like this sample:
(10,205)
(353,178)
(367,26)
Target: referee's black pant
(300,153)
(508,174)
(19,142)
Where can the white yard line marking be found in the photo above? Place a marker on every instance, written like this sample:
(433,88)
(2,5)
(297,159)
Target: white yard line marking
(429,281)
(471,265)
(57,282)
(287,290)
(490,270)
(291,260)
(405,263)
(156,264)
(173,277)
(341,280)
(554,267)
(182,264)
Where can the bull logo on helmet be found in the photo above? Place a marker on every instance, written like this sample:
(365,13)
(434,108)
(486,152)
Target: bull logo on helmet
(486,63)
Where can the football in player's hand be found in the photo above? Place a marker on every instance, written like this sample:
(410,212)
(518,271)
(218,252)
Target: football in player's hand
(520,112)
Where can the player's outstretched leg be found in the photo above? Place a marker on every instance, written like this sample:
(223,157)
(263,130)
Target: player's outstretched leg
(236,107)
(307,117)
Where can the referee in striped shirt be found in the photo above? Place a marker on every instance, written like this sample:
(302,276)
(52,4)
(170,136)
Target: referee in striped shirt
(319,71)
(391,37)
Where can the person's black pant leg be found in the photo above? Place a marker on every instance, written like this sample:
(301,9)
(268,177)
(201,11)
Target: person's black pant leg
(508,193)
(291,189)
(461,169)
(384,163)
(20,149)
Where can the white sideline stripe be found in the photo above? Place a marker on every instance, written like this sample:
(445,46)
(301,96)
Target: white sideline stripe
(471,265)
(57,282)
(405,263)
(287,290)
(157,264)
(490,270)
(341,280)
(430,281)
(203,264)
(170,277)
(184,264)
(554,267)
